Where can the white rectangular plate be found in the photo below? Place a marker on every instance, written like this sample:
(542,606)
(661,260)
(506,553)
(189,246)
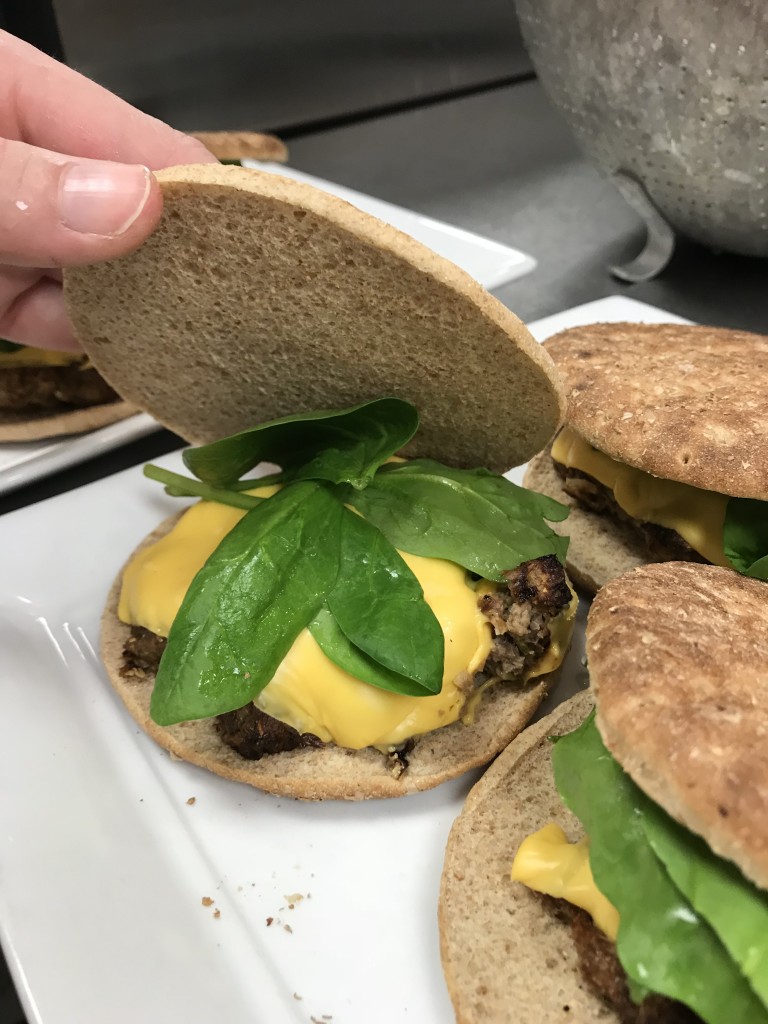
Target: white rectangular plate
(489,262)
(104,863)
(23,462)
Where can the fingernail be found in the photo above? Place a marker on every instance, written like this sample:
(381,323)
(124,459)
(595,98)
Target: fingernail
(101,198)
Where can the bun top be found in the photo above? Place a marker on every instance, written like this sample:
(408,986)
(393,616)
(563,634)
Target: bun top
(683,403)
(258,297)
(678,660)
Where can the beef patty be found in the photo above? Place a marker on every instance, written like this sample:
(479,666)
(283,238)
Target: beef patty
(603,973)
(661,544)
(520,613)
(40,389)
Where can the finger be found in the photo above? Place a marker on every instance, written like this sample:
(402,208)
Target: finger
(37,317)
(57,212)
(48,104)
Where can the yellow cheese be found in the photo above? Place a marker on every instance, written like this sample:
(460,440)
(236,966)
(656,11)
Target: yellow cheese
(548,863)
(308,691)
(38,357)
(697,515)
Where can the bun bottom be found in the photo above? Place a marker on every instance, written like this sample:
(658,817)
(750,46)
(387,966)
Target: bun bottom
(330,772)
(506,957)
(600,548)
(19,426)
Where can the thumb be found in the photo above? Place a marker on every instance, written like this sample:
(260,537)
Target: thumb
(58,211)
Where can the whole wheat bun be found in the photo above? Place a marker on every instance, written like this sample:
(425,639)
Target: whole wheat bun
(678,660)
(243,146)
(20,426)
(600,547)
(507,959)
(682,403)
(259,297)
(329,772)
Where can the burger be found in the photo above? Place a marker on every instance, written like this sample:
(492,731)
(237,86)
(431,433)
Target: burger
(47,393)
(614,866)
(664,451)
(379,614)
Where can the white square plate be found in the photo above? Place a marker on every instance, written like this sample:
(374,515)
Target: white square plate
(489,262)
(104,862)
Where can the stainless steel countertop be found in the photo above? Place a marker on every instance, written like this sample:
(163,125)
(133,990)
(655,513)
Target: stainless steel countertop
(503,164)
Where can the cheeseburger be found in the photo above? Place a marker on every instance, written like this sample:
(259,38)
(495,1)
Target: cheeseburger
(378,615)
(664,451)
(637,841)
(45,393)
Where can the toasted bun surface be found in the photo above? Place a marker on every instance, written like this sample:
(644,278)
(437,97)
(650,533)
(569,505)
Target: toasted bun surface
(678,659)
(328,772)
(243,145)
(683,403)
(20,426)
(259,297)
(506,958)
(600,547)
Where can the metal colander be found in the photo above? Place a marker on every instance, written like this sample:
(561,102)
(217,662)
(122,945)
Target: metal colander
(672,93)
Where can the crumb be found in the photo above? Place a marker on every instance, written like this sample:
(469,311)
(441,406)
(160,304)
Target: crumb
(291,906)
(288,928)
(292,898)
(141,799)
(247,675)
(217,913)
(191,801)
(239,888)
(269,921)
(207,901)
(297,996)
(327,1016)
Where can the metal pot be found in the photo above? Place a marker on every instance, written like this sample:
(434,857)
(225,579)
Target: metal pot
(671,93)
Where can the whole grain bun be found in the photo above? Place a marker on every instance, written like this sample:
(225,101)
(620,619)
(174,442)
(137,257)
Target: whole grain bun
(259,297)
(683,403)
(21,426)
(243,146)
(507,958)
(600,547)
(678,659)
(328,772)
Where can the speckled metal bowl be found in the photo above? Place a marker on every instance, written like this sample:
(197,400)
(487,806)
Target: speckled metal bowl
(673,93)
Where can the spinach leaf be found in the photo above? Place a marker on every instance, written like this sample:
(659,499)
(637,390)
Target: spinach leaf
(342,652)
(342,447)
(179,486)
(475,518)
(9,346)
(264,583)
(379,606)
(745,536)
(662,942)
(735,909)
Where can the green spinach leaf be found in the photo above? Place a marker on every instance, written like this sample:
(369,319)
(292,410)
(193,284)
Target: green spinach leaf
(735,909)
(264,583)
(379,606)
(342,652)
(9,346)
(745,536)
(475,518)
(663,944)
(341,447)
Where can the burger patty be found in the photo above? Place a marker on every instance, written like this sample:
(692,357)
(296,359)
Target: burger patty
(520,613)
(603,973)
(52,388)
(661,544)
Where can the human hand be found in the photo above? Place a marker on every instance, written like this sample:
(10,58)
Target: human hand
(75,185)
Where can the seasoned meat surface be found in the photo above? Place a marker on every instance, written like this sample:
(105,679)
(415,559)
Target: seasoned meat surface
(252,733)
(604,974)
(661,543)
(521,613)
(52,388)
(142,652)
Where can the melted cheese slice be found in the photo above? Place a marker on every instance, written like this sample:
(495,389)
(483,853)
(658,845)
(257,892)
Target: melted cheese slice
(697,515)
(548,863)
(308,691)
(38,357)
